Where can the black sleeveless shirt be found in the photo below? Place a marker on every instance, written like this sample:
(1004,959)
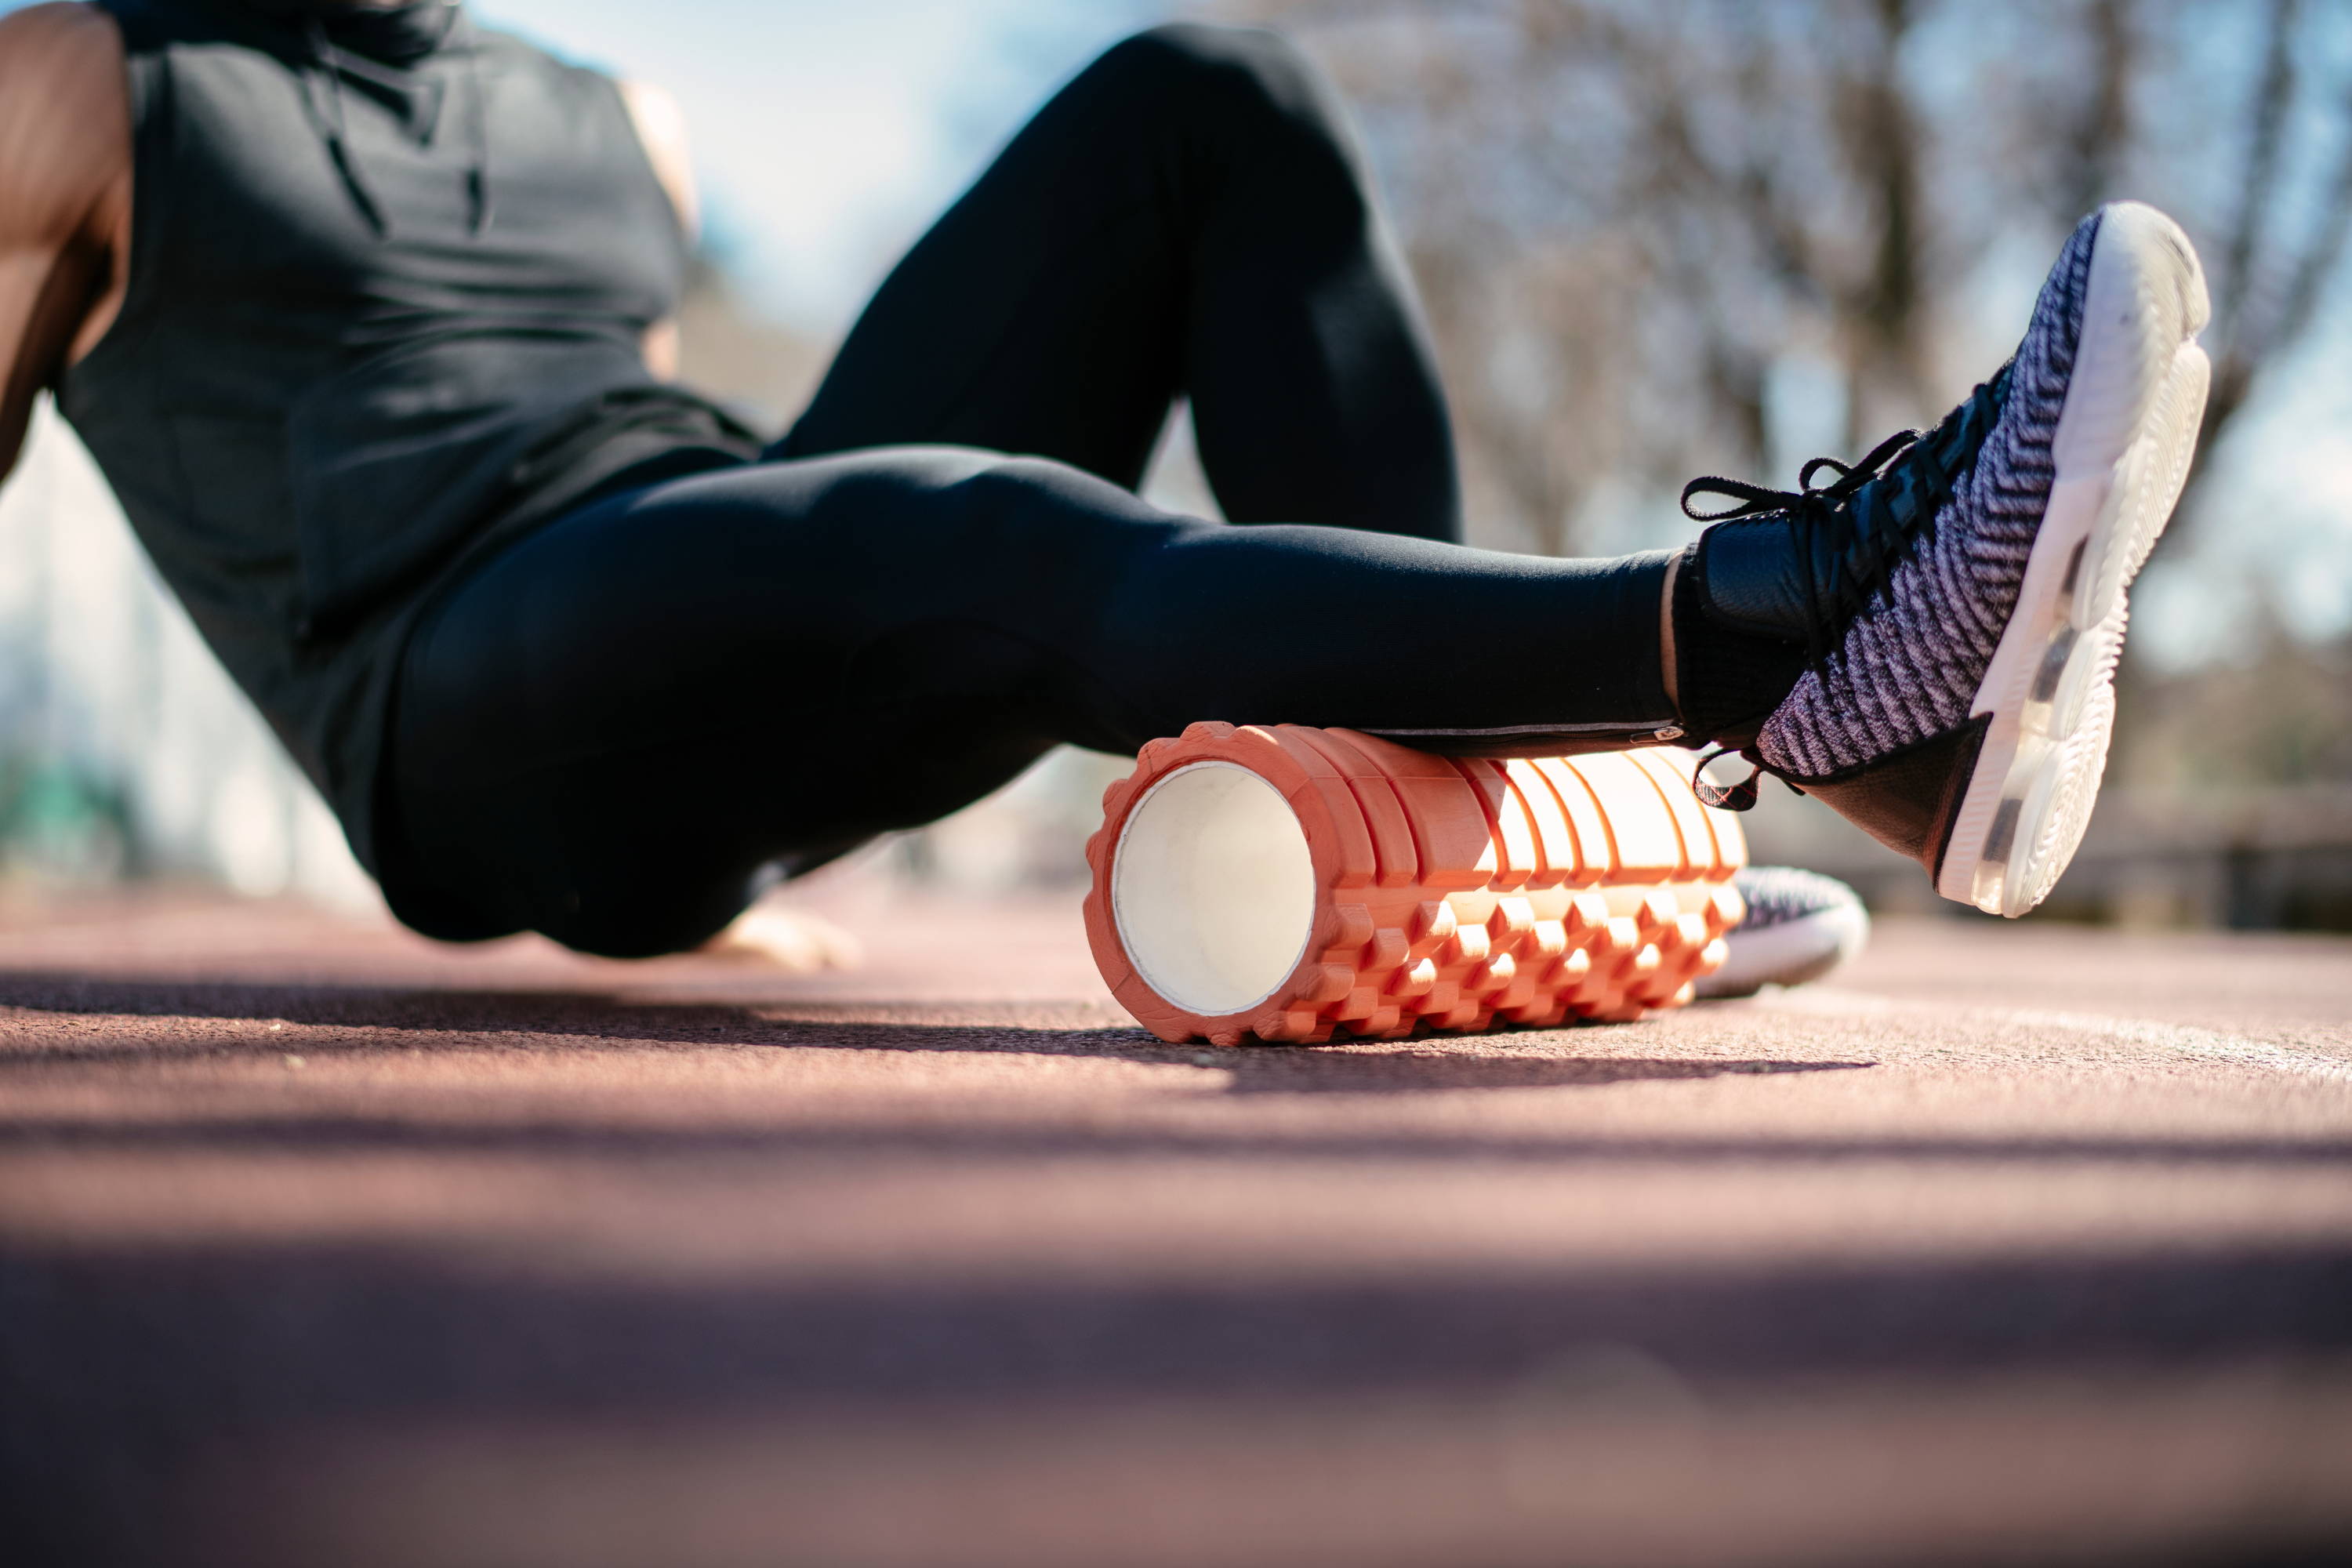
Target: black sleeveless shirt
(389,277)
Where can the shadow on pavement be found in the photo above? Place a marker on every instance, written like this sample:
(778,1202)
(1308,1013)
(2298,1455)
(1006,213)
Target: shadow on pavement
(1367,1067)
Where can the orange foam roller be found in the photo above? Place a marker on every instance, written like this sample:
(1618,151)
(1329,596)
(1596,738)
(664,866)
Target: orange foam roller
(1288,884)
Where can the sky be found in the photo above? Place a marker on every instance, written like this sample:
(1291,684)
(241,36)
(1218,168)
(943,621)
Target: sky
(828,132)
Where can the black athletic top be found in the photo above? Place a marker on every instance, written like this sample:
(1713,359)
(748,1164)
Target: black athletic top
(389,277)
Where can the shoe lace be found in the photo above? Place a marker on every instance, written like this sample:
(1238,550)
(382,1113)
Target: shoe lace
(1826,516)
(1742,796)
(1823,515)
(1853,521)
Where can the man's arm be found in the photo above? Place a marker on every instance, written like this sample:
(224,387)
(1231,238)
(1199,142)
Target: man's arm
(65,198)
(661,127)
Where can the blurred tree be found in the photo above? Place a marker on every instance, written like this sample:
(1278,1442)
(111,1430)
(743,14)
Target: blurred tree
(1628,216)
(2282,714)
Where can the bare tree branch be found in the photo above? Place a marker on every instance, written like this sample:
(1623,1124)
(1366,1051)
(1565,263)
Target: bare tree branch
(2319,264)
(1627,214)
(2258,184)
(2104,130)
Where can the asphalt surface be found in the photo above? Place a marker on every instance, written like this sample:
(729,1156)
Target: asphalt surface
(320,1245)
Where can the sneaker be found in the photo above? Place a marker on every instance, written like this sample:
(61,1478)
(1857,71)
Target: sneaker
(1948,614)
(1799,925)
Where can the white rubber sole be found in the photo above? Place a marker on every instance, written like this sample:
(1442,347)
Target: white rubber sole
(2126,435)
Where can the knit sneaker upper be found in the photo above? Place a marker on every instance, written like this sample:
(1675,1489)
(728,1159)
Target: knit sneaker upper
(1799,925)
(1776,895)
(1910,661)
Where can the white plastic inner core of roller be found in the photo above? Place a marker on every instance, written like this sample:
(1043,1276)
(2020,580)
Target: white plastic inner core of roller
(1213,889)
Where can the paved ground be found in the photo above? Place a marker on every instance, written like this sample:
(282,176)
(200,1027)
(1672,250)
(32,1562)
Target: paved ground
(322,1245)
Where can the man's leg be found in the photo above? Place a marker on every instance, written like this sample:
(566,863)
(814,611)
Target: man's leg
(604,732)
(609,731)
(1189,216)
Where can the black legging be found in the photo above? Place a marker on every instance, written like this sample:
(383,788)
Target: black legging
(610,730)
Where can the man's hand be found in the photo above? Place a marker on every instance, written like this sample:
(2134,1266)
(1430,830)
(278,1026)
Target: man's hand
(65,198)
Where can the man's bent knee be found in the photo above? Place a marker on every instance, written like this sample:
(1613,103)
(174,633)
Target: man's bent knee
(1250,77)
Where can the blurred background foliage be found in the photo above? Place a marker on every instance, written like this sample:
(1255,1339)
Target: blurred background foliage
(1658,239)
(1646,230)
(1655,239)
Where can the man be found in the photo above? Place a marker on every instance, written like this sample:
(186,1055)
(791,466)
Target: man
(361,309)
